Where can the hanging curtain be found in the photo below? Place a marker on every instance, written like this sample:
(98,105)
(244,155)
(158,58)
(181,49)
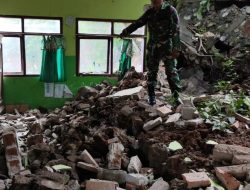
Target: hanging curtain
(126,57)
(52,69)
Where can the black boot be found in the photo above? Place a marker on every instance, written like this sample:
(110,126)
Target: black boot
(151,93)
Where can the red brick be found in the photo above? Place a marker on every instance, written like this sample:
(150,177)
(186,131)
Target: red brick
(13,151)
(227,179)
(194,180)
(14,166)
(9,138)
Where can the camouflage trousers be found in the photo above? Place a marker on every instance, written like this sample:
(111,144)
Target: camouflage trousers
(155,54)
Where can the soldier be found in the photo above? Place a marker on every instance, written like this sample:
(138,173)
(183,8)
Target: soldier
(164,44)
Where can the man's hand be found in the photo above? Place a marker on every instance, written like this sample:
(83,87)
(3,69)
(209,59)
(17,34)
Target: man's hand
(124,33)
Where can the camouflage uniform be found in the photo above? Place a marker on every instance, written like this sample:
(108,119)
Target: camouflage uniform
(163,25)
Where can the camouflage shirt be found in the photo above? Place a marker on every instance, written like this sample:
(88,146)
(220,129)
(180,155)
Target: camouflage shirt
(163,24)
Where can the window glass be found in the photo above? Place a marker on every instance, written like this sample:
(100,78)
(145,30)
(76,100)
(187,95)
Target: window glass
(93,56)
(12,55)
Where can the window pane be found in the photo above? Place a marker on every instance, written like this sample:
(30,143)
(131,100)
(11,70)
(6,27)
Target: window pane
(33,54)
(12,55)
(94,27)
(119,26)
(138,54)
(10,24)
(42,26)
(93,56)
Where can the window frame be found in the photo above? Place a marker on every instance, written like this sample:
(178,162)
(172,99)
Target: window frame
(111,45)
(22,35)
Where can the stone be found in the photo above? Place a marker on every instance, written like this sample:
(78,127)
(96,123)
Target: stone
(137,180)
(227,179)
(187,112)
(135,165)
(163,111)
(225,152)
(197,179)
(94,184)
(86,156)
(88,167)
(118,176)
(160,184)
(115,155)
(126,110)
(152,124)
(172,119)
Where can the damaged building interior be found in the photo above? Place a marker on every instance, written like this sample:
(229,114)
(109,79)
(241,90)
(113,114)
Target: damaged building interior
(95,96)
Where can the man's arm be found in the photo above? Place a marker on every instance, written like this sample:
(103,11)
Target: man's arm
(175,29)
(135,25)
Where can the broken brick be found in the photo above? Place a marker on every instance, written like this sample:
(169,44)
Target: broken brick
(172,119)
(137,179)
(160,184)
(94,184)
(88,167)
(115,156)
(152,124)
(195,180)
(135,165)
(227,179)
(88,158)
(163,111)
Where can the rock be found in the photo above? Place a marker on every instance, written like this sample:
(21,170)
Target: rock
(94,184)
(115,155)
(137,179)
(224,152)
(135,165)
(227,179)
(172,119)
(118,176)
(187,112)
(195,180)
(163,111)
(86,157)
(152,124)
(160,184)
(88,167)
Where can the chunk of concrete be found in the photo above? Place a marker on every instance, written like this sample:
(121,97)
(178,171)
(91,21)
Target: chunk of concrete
(137,180)
(160,184)
(130,92)
(163,111)
(187,112)
(88,158)
(112,175)
(241,159)
(172,119)
(114,156)
(87,166)
(197,179)
(135,165)
(152,124)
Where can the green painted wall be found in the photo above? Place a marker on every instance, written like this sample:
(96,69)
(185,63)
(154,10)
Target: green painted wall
(28,90)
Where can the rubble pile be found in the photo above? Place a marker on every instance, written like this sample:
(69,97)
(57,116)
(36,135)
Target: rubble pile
(110,138)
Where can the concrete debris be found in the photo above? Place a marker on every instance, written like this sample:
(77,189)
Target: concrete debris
(152,124)
(114,156)
(227,179)
(160,184)
(135,165)
(194,180)
(95,184)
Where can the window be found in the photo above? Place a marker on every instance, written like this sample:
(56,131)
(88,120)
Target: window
(99,46)
(22,42)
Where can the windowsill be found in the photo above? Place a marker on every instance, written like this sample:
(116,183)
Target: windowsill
(19,75)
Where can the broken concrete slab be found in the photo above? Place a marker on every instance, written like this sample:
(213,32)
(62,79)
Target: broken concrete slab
(160,184)
(224,152)
(94,184)
(196,179)
(118,176)
(187,112)
(152,124)
(88,167)
(172,119)
(139,91)
(241,159)
(115,155)
(227,179)
(135,165)
(86,156)
(163,111)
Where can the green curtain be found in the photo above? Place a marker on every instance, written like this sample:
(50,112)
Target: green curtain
(126,57)
(52,69)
